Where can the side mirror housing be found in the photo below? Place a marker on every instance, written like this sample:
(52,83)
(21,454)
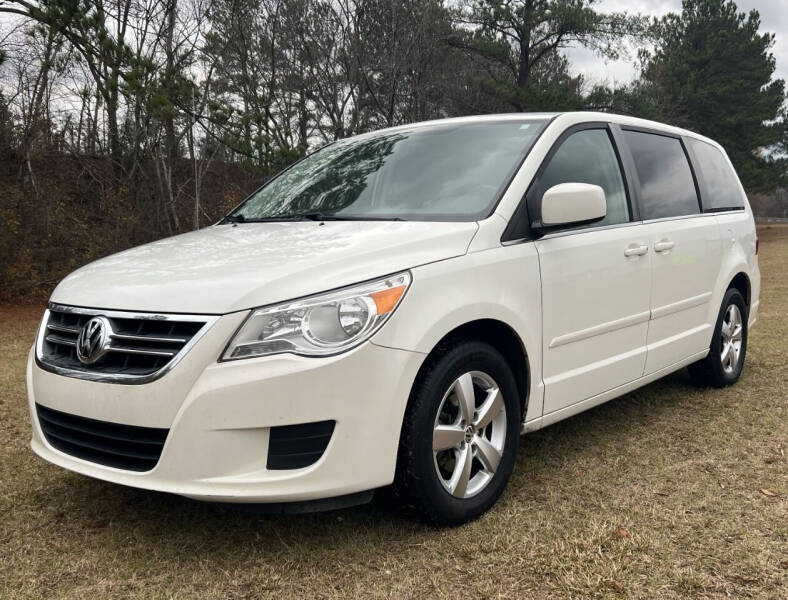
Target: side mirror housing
(573,204)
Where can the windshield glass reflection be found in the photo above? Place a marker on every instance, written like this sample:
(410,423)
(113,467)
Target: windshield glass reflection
(452,172)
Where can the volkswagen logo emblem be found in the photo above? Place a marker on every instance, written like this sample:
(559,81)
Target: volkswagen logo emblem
(93,340)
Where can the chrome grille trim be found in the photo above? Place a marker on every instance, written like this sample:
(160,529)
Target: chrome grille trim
(138,351)
(62,329)
(56,339)
(129,344)
(147,338)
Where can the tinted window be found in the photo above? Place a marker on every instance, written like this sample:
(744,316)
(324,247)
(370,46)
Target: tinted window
(443,172)
(719,185)
(588,157)
(667,188)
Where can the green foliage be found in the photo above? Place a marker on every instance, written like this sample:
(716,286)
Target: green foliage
(711,71)
(251,85)
(636,99)
(521,41)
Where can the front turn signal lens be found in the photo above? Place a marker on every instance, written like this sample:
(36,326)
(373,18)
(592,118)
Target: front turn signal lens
(387,300)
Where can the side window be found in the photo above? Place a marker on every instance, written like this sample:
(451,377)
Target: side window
(719,189)
(667,188)
(588,157)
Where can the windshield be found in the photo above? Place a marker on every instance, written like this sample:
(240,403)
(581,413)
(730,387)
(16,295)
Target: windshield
(451,172)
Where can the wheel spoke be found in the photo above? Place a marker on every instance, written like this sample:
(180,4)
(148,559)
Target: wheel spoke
(446,436)
(463,388)
(487,454)
(726,329)
(725,353)
(736,335)
(493,404)
(462,472)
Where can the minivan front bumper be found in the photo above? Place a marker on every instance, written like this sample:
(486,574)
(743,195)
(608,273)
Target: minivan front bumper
(220,414)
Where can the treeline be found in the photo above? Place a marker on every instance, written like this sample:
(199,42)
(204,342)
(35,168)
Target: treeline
(126,120)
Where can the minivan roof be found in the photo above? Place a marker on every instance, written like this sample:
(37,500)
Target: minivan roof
(570,118)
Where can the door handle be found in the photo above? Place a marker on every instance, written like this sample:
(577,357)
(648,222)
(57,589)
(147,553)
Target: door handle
(635,250)
(664,245)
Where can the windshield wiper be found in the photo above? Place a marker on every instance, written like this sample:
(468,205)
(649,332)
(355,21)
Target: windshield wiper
(319,216)
(233,219)
(310,216)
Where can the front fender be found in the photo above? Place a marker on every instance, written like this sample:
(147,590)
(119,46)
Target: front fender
(502,284)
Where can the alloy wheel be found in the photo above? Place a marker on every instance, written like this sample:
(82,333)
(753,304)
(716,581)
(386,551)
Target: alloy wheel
(469,434)
(731,337)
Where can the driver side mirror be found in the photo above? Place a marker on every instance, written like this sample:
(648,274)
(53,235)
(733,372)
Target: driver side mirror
(573,204)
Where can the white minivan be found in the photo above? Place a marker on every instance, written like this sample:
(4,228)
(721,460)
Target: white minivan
(399,307)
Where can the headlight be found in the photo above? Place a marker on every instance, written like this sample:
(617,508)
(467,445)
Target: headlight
(319,325)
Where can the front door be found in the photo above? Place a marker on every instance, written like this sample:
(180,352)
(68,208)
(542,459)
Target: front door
(596,281)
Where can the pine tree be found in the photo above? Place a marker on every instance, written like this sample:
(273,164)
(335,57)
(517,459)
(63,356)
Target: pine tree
(712,72)
(518,46)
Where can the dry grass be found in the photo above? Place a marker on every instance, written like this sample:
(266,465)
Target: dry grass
(654,495)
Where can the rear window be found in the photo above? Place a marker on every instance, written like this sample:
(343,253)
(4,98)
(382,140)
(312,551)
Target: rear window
(667,188)
(719,186)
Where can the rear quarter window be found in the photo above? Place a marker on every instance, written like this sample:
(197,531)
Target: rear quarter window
(667,187)
(719,186)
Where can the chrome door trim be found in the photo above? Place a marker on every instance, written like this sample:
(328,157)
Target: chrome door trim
(558,234)
(693,216)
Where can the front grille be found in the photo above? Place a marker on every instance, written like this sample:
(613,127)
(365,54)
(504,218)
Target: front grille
(140,345)
(111,444)
(298,446)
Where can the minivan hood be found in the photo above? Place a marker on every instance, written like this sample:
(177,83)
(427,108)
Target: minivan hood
(226,268)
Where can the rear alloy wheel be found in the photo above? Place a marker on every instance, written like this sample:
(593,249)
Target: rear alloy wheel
(460,434)
(728,348)
(731,339)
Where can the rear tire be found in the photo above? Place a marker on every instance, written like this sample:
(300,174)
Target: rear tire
(460,434)
(724,363)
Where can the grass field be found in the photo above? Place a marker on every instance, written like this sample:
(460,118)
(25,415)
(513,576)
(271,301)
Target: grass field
(667,492)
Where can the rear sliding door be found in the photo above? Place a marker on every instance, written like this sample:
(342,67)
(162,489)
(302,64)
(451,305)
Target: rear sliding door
(685,246)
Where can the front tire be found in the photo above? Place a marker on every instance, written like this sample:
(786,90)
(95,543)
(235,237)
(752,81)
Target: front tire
(724,363)
(460,434)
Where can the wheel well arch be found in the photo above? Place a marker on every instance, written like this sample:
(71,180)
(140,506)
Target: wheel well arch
(500,336)
(742,283)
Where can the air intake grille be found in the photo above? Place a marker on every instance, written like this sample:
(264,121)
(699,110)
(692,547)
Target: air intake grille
(140,345)
(298,446)
(120,446)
